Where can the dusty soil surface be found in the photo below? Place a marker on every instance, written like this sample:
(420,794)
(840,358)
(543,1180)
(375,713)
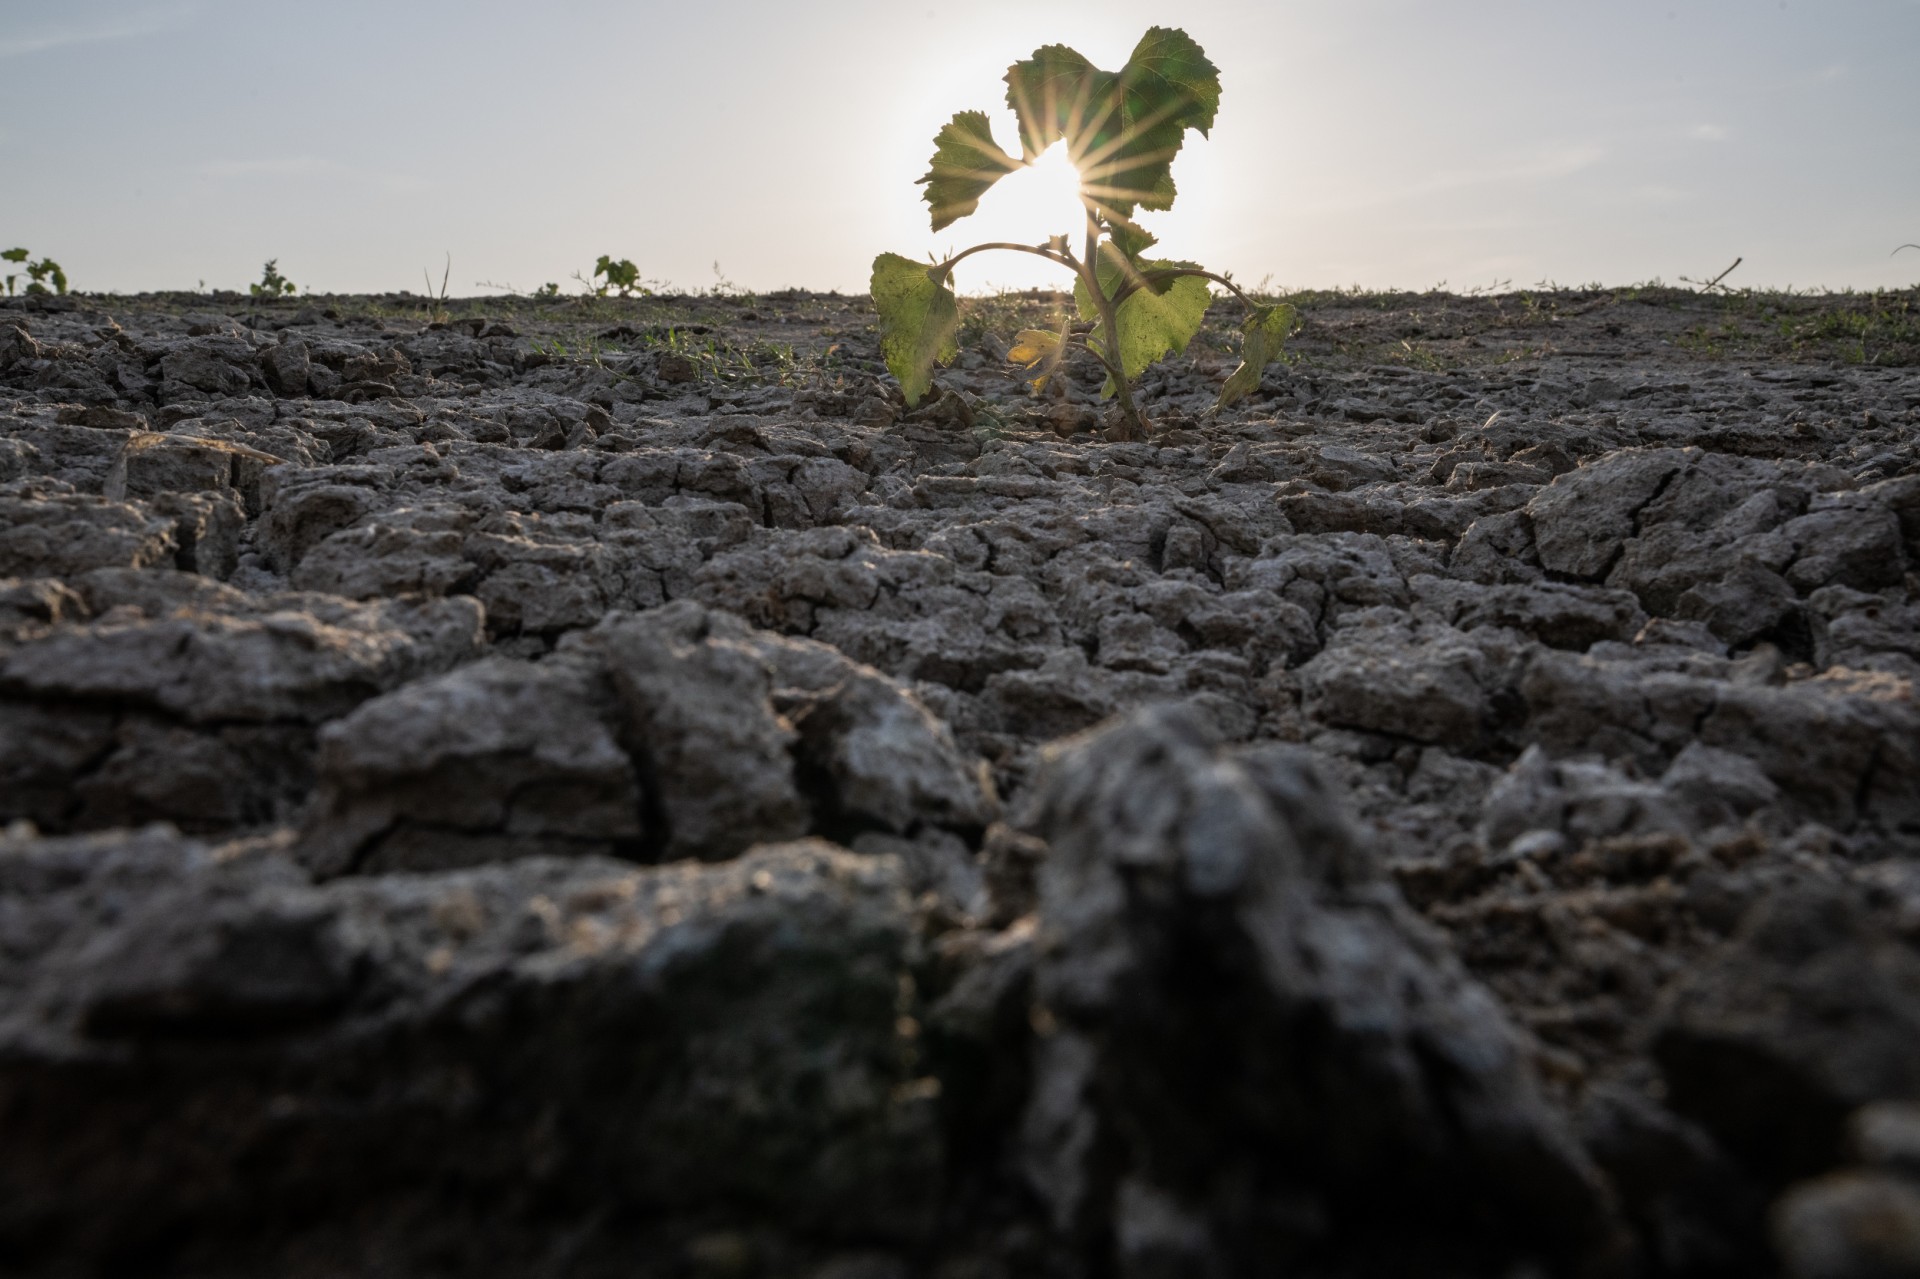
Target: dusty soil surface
(597,787)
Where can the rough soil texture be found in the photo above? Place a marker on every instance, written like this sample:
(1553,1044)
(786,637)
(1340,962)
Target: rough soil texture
(599,788)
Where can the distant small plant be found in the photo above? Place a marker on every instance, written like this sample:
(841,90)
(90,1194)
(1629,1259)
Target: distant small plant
(44,276)
(621,276)
(547,290)
(437,312)
(1122,131)
(272,283)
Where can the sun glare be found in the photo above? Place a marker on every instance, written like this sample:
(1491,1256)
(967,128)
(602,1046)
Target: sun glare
(1039,200)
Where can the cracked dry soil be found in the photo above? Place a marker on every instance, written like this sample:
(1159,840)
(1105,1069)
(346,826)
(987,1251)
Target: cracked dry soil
(597,788)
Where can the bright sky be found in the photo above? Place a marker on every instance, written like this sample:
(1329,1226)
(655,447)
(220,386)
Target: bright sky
(155,144)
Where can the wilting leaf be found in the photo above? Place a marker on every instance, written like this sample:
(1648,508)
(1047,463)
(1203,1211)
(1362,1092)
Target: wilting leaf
(918,317)
(1036,349)
(1030,346)
(966,161)
(1122,129)
(1154,319)
(1265,329)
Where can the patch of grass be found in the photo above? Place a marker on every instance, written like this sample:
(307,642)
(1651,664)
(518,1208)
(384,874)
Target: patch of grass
(1004,314)
(715,357)
(1420,357)
(1878,328)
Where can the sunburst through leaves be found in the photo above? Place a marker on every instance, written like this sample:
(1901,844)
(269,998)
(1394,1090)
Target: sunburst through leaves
(1116,135)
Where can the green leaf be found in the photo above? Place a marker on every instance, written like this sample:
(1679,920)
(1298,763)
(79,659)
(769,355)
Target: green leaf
(1265,329)
(1170,56)
(918,318)
(1114,270)
(48,269)
(1122,129)
(1153,319)
(1057,94)
(15,255)
(1130,239)
(966,161)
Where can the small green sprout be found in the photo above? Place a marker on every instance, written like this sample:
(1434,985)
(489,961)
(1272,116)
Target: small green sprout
(620,275)
(272,283)
(1122,131)
(44,276)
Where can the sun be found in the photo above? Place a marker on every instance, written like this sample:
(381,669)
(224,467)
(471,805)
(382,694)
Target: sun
(1035,201)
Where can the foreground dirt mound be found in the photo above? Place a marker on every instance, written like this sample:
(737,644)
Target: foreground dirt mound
(593,788)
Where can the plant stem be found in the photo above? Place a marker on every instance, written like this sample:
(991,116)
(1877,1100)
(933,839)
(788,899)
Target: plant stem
(1110,328)
(1175,273)
(1086,274)
(1064,259)
(1130,412)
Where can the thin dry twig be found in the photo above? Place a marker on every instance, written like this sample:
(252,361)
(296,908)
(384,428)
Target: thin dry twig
(1708,286)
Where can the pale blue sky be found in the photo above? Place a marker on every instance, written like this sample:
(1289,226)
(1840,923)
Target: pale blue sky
(156,143)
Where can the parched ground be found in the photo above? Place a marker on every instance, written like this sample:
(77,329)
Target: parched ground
(597,783)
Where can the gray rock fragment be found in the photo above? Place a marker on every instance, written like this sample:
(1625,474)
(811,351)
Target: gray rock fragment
(1376,673)
(309,659)
(1850,1225)
(719,1044)
(1812,1011)
(60,535)
(497,759)
(1581,520)
(699,716)
(1244,1024)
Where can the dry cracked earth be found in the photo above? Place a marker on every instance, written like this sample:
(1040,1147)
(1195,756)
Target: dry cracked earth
(599,788)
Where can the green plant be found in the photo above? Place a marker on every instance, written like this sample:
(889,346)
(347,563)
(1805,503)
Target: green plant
(622,275)
(547,290)
(1122,131)
(272,283)
(39,274)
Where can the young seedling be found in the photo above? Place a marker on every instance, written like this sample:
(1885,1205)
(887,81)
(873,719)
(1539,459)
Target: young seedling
(44,276)
(1122,131)
(272,283)
(622,275)
(437,312)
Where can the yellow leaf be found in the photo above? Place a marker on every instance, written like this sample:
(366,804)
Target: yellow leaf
(1030,346)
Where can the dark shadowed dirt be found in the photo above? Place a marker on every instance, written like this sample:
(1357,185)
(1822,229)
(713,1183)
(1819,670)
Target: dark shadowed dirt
(598,787)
